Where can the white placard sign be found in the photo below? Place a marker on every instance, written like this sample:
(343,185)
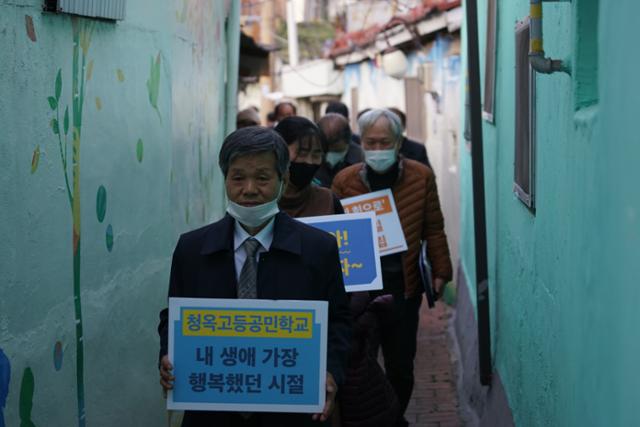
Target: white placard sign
(390,235)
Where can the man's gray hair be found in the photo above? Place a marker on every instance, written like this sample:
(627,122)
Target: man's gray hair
(254,140)
(368,119)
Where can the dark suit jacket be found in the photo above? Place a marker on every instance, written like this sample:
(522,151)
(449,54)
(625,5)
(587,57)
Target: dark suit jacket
(415,151)
(302,264)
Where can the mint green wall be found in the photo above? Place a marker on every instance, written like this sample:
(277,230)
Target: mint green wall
(152,121)
(563,281)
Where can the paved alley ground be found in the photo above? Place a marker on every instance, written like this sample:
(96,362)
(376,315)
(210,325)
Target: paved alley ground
(434,402)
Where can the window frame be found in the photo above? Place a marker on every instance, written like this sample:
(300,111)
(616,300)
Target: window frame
(527,147)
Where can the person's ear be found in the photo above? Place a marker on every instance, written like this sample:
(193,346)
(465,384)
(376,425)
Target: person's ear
(285,179)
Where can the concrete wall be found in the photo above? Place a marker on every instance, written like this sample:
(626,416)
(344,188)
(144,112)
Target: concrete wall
(563,280)
(108,152)
(444,142)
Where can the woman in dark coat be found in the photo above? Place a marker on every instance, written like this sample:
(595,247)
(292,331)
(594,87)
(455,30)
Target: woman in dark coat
(366,399)
(307,149)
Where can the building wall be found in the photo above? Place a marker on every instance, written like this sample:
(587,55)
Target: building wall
(562,281)
(85,264)
(443,140)
(375,88)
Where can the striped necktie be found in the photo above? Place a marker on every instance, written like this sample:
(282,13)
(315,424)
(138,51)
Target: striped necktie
(249,274)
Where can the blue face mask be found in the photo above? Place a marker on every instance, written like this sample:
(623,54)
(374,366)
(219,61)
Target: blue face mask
(254,216)
(380,160)
(335,157)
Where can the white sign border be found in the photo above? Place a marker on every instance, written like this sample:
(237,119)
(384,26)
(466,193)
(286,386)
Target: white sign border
(376,284)
(376,194)
(321,316)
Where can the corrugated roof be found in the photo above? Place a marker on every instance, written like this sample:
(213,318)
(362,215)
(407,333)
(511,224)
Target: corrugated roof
(360,39)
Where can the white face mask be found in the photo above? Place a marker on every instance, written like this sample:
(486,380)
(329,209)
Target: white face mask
(380,160)
(335,157)
(255,216)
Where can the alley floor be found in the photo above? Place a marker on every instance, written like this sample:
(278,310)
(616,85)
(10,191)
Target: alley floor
(434,402)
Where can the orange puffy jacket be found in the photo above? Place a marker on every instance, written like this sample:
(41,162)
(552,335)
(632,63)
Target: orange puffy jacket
(416,197)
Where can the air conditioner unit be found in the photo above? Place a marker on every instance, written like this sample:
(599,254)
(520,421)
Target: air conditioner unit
(104,9)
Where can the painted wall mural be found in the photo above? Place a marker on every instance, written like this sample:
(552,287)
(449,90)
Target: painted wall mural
(27,389)
(202,112)
(112,134)
(153,84)
(82,31)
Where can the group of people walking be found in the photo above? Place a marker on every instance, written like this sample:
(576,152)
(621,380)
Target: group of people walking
(298,169)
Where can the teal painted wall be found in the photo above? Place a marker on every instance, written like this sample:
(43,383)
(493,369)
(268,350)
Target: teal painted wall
(563,282)
(141,141)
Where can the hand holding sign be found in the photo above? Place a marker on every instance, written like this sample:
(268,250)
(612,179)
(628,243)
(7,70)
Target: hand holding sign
(330,401)
(166,376)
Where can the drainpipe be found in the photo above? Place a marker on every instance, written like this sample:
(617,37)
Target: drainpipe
(292,34)
(479,213)
(538,61)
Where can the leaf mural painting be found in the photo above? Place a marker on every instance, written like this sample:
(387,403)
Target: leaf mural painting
(101,203)
(58,353)
(153,84)
(108,237)
(139,150)
(31,31)
(27,387)
(82,31)
(35,159)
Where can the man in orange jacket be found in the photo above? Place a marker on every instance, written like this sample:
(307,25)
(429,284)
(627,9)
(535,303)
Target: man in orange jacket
(416,197)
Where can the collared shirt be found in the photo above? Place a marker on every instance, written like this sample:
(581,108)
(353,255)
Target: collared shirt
(265,237)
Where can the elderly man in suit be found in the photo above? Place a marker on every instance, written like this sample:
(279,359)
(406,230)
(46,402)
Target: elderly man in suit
(256,251)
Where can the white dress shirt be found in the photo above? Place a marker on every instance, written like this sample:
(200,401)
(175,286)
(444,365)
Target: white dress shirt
(264,237)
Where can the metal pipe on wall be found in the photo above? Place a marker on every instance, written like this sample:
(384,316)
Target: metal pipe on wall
(537,58)
(479,212)
(292,32)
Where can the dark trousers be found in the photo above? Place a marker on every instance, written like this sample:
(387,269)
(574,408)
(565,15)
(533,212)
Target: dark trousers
(398,337)
(234,419)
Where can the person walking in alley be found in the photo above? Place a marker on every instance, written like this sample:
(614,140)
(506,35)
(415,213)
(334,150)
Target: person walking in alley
(409,148)
(307,147)
(341,150)
(284,109)
(416,197)
(342,109)
(293,261)
(248,117)
(366,398)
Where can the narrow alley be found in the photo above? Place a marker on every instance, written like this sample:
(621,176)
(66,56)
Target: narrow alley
(234,212)
(434,402)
